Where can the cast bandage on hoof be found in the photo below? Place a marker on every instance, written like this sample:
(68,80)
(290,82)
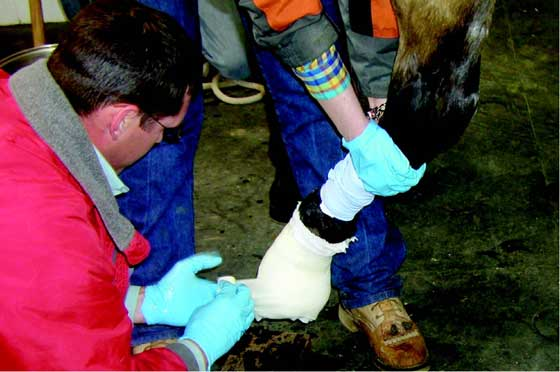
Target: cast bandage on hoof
(294,277)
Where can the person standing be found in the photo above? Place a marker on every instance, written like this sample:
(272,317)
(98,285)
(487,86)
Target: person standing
(302,61)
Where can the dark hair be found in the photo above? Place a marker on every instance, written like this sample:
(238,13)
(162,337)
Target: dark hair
(119,51)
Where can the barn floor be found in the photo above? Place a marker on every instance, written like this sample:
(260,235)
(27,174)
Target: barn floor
(481,277)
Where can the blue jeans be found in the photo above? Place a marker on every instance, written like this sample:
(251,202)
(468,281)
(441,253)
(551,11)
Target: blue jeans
(160,200)
(366,273)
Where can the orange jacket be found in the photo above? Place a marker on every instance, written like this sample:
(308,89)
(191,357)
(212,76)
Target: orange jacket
(299,32)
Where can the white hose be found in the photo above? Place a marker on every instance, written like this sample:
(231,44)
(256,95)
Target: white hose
(215,85)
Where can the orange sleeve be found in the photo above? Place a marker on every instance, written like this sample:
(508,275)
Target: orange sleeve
(383,19)
(280,14)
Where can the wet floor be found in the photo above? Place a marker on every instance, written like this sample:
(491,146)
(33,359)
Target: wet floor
(481,277)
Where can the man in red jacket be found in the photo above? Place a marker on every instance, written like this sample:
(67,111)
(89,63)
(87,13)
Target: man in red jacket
(117,84)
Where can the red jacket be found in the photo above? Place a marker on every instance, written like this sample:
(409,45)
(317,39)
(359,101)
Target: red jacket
(63,281)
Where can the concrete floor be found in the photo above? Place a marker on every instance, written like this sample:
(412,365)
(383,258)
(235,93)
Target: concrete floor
(481,277)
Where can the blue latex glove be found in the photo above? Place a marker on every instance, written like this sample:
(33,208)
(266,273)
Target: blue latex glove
(217,326)
(180,292)
(380,164)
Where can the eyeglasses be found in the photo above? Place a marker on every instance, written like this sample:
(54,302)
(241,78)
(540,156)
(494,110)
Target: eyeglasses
(170,135)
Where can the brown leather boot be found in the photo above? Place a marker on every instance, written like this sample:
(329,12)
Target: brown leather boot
(394,337)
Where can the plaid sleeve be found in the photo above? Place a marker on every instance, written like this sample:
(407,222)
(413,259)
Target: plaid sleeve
(326,76)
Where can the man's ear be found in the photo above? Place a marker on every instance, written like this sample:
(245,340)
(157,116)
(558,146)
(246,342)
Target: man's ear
(124,117)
